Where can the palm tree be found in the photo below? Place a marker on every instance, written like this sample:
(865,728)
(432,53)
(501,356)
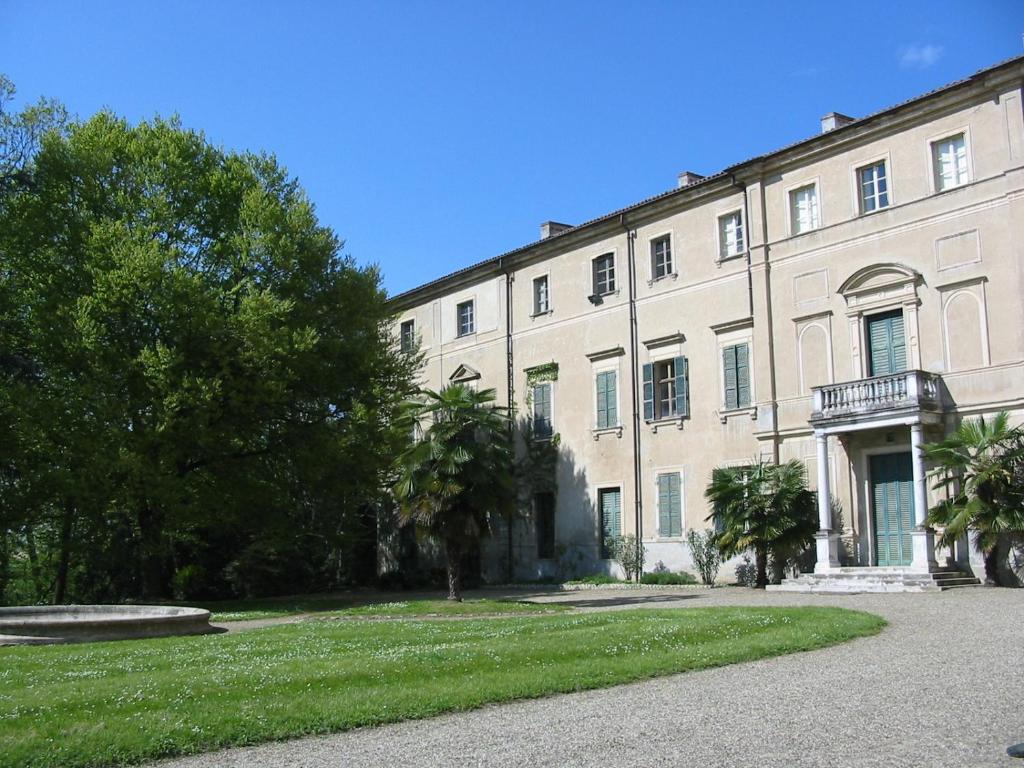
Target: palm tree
(981,469)
(764,507)
(458,472)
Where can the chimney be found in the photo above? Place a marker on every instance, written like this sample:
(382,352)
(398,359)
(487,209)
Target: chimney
(834,120)
(552,228)
(686,178)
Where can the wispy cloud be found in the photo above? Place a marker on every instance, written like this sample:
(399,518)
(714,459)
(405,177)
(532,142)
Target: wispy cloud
(919,56)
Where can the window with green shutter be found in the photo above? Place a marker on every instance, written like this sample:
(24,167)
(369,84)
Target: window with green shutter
(887,346)
(667,389)
(607,400)
(609,501)
(670,505)
(736,376)
(542,427)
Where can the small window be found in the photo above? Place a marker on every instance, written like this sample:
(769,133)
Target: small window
(604,274)
(609,502)
(666,389)
(949,160)
(466,320)
(541,297)
(730,235)
(873,186)
(736,376)
(407,336)
(607,400)
(542,428)
(544,509)
(670,505)
(803,209)
(661,257)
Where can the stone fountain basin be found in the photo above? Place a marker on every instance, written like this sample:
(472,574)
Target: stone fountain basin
(42,624)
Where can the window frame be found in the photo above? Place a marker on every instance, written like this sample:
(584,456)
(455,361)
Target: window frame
(611,286)
(670,270)
(934,141)
(407,335)
(660,472)
(537,310)
(600,490)
(660,364)
(739,406)
(791,193)
(537,435)
(723,253)
(858,185)
(614,372)
(459,306)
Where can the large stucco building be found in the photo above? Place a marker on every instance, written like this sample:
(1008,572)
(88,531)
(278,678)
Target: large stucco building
(839,301)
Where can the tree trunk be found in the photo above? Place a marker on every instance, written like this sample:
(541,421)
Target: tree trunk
(35,569)
(151,567)
(64,563)
(992,565)
(762,568)
(453,550)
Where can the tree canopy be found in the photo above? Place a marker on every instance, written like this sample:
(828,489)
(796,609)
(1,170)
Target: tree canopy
(198,387)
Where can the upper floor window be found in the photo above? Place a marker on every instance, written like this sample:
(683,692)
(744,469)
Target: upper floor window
(803,209)
(736,376)
(949,161)
(407,335)
(661,257)
(666,389)
(607,399)
(541,295)
(604,274)
(873,186)
(542,427)
(466,318)
(730,235)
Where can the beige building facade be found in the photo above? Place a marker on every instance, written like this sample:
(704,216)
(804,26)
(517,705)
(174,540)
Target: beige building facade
(840,301)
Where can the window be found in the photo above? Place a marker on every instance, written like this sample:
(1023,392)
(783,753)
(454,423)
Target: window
(607,400)
(544,509)
(465,318)
(541,297)
(407,335)
(949,160)
(736,376)
(604,274)
(661,257)
(887,345)
(542,428)
(609,502)
(873,187)
(803,209)
(670,505)
(666,389)
(730,235)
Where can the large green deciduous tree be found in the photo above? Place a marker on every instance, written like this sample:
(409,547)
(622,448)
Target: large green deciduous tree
(765,508)
(980,467)
(204,387)
(459,473)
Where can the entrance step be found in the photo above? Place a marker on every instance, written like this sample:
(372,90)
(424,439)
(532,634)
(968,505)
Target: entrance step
(854,580)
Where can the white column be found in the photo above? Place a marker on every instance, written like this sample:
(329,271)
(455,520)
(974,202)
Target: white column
(922,539)
(826,542)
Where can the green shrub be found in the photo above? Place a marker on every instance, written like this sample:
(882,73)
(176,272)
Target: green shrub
(705,554)
(668,577)
(596,578)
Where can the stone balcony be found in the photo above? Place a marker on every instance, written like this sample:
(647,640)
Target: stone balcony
(879,398)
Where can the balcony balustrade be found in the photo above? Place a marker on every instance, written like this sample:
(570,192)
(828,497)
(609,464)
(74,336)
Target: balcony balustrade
(877,396)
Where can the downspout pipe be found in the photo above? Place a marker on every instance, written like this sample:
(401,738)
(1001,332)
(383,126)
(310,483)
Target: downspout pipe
(633,346)
(510,393)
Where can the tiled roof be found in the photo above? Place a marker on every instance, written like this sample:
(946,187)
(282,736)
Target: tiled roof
(851,126)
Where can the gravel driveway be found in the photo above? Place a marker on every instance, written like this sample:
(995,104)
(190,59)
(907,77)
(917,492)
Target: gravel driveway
(943,685)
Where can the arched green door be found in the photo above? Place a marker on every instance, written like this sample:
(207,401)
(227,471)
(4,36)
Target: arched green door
(892,495)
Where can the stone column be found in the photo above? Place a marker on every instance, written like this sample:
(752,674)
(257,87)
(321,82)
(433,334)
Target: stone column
(826,542)
(923,542)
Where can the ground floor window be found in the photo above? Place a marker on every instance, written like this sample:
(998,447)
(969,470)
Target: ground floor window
(609,501)
(544,512)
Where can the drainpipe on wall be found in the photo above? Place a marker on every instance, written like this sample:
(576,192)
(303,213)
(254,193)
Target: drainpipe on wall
(509,374)
(633,344)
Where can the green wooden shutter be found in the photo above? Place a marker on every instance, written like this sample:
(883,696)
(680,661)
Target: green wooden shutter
(676,505)
(670,507)
(607,408)
(648,392)
(898,343)
(612,394)
(729,370)
(887,344)
(742,376)
(682,369)
(611,515)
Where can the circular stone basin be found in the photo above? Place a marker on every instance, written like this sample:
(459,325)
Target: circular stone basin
(41,624)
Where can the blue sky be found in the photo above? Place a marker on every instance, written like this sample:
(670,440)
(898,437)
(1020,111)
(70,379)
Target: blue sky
(433,135)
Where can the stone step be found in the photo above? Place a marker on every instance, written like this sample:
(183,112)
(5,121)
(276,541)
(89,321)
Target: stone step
(877,579)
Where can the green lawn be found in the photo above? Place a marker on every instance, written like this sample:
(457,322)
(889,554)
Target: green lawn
(349,605)
(115,703)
